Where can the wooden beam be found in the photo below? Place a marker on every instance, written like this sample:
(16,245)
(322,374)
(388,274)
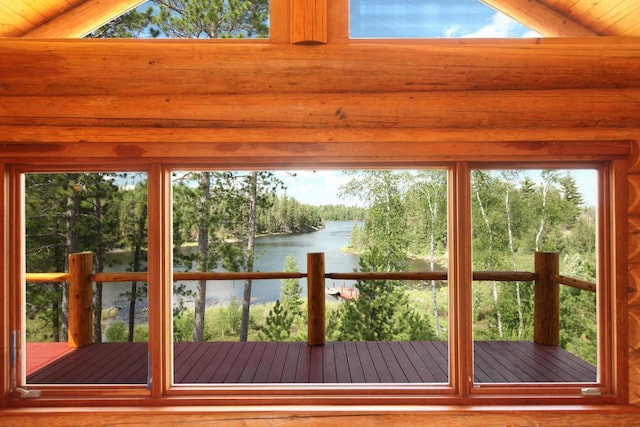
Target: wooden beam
(312,149)
(541,18)
(460,109)
(17,140)
(308,21)
(84,18)
(180,67)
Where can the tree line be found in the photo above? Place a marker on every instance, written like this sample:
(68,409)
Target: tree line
(106,212)
(513,217)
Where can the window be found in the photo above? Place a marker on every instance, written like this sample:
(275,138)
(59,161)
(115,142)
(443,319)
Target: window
(430,18)
(376,331)
(80,229)
(544,222)
(453,294)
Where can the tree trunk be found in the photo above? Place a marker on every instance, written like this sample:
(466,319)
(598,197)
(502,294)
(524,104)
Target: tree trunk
(203,254)
(72,213)
(251,228)
(485,217)
(137,262)
(513,263)
(97,295)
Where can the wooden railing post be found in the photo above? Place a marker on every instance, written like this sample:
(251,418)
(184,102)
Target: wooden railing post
(546,323)
(80,299)
(315,293)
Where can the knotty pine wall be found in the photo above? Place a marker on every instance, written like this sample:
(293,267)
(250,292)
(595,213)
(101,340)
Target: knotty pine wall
(195,101)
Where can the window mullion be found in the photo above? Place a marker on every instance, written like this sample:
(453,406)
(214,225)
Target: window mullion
(159,276)
(460,274)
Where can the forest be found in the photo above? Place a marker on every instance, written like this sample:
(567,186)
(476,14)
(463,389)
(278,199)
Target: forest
(403,216)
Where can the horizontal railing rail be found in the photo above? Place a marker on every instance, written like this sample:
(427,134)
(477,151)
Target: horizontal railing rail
(481,275)
(546,278)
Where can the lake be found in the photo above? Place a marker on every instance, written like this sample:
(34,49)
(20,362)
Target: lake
(271,252)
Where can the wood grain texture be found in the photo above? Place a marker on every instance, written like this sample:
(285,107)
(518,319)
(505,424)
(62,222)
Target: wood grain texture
(80,299)
(308,21)
(175,67)
(592,108)
(535,14)
(634,376)
(598,142)
(383,416)
(633,296)
(634,193)
(634,239)
(82,19)
(634,327)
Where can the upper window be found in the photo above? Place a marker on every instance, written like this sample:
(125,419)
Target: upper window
(430,19)
(191,20)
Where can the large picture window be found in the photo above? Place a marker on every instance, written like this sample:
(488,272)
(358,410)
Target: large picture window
(333,279)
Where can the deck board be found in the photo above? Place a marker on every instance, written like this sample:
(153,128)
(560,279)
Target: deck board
(281,362)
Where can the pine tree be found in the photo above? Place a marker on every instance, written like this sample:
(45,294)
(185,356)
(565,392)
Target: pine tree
(381,312)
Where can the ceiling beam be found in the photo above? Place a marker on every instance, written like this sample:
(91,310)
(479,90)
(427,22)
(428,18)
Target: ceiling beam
(541,18)
(84,18)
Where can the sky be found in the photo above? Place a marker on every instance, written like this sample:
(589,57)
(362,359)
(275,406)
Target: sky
(431,18)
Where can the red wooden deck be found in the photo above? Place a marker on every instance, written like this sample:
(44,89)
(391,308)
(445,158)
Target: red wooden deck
(272,362)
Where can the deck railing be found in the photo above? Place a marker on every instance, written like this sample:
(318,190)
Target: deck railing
(546,278)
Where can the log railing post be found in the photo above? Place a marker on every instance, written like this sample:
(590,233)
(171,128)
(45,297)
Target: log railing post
(316,304)
(80,299)
(546,323)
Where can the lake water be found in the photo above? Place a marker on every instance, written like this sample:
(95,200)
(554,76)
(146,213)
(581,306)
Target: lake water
(271,252)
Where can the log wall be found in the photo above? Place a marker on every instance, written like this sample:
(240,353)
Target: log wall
(126,102)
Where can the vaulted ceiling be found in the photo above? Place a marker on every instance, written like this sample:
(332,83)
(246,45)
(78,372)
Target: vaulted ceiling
(554,18)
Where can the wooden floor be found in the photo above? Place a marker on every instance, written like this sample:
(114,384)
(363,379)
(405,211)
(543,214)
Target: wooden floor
(335,362)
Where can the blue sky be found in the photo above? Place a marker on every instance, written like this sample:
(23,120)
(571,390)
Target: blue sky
(431,18)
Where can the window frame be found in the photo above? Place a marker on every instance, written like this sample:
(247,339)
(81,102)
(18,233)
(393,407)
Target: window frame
(460,389)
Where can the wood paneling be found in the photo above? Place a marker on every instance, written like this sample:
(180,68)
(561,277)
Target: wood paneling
(535,15)
(82,19)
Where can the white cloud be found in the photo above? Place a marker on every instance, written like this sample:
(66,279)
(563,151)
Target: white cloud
(501,25)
